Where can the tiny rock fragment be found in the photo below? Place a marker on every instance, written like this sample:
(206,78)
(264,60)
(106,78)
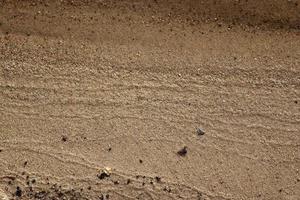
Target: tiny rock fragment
(157,178)
(116,182)
(64,138)
(18,192)
(101,197)
(183,151)
(167,189)
(105,173)
(200,132)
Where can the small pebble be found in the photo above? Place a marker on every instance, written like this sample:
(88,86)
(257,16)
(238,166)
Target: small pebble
(64,138)
(200,132)
(18,192)
(157,178)
(101,197)
(103,175)
(183,151)
(116,182)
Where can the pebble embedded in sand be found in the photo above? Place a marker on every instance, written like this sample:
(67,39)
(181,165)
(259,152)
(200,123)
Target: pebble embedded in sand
(200,132)
(183,151)
(18,192)
(64,138)
(157,178)
(105,173)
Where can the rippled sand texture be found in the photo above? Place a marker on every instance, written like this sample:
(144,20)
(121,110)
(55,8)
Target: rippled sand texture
(97,98)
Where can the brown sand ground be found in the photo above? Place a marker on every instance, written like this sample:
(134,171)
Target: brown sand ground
(90,85)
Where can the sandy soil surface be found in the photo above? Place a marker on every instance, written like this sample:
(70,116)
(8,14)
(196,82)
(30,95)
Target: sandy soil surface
(150,99)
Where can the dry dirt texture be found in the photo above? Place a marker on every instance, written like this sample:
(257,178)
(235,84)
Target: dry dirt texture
(99,98)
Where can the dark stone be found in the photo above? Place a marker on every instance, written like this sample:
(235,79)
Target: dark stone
(116,182)
(60,194)
(141,161)
(64,138)
(18,192)
(103,175)
(157,178)
(183,151)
